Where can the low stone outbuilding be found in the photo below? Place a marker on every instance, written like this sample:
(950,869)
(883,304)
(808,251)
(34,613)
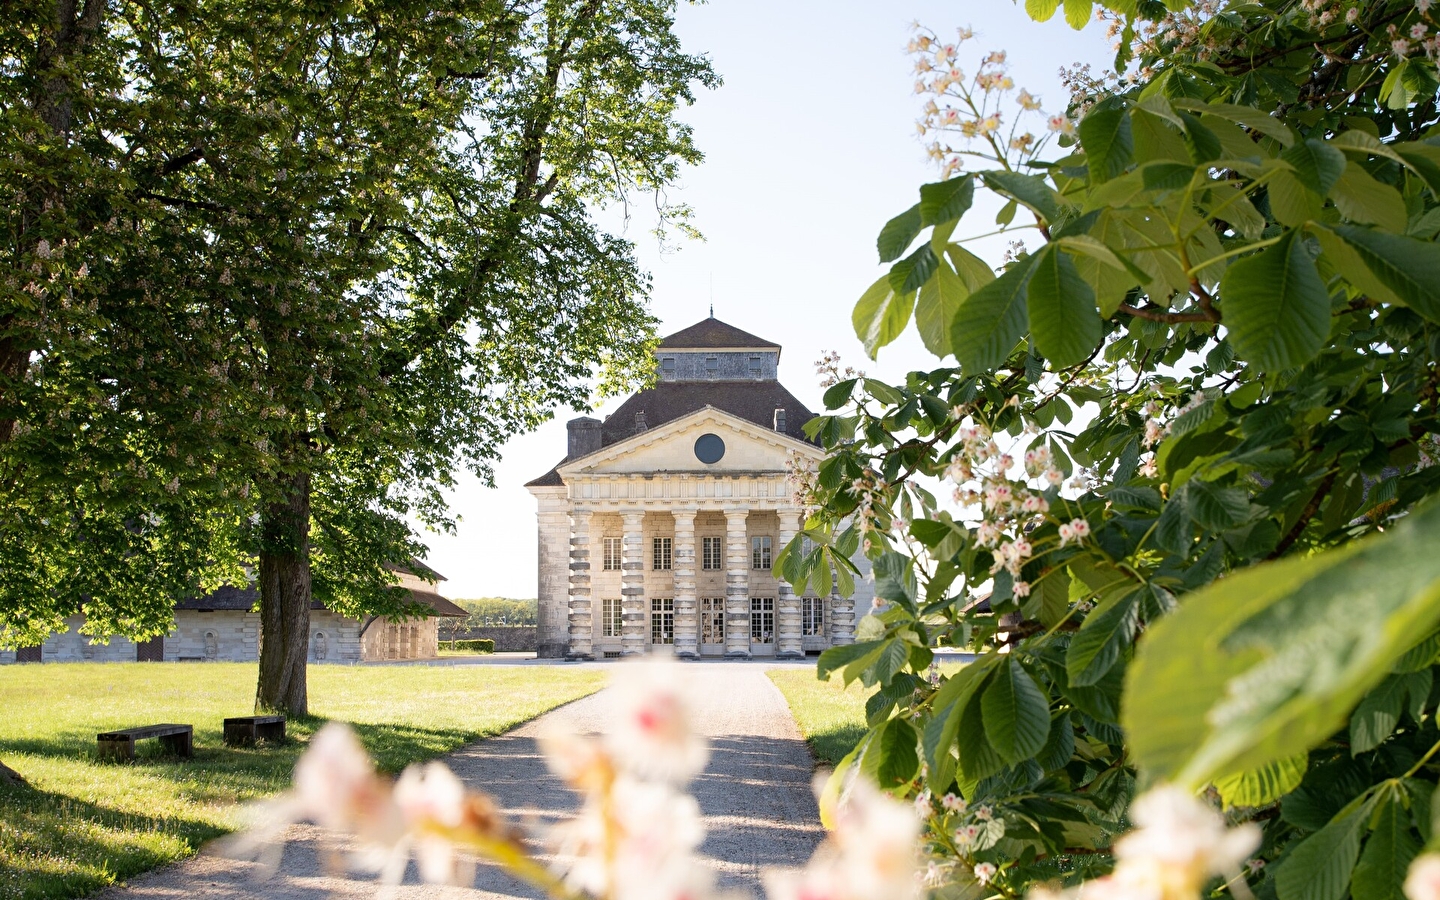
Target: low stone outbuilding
(225,626)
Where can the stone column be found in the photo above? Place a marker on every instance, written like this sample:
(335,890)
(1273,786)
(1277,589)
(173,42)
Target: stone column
(737,585)
(687,641)
(582,622)
(632,584)
(787,605)
(842,619)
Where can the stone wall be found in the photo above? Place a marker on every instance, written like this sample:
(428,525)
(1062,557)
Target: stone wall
(229,635)
(507,638)
(553,521)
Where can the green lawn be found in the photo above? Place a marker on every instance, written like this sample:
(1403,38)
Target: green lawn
(831,717)
(82,824)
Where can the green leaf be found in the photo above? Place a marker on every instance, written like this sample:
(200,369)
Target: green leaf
(907,275)
(1167,176)
(1319,867)
(1375,718)
(936,308)
(1105,135)
(1017,714)
(946,201)
(1216,508)
(1077,13)
(1406,266)
(898,234)
(842,657)
(1041,10)
(1105,633)
(1248,116)
(1317,165)
(1061,309)
(1269,661)
(1291,202)
(1030,190)
(881,315)
(978,758)
(1276,305)
(992,320)
(1360,198)
(898,761)
(1264,785)
(1383,865)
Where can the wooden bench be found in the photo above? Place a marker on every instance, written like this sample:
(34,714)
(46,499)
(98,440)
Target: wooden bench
(177,739)
(245,730)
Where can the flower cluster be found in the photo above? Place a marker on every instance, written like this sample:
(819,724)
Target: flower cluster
(972,106)
(872,854)
(1013,496)
(828,368)
(1179,845)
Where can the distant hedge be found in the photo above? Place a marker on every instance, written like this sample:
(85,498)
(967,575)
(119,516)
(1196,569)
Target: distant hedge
(477,646)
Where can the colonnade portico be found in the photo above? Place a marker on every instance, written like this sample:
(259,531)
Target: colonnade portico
(743,574)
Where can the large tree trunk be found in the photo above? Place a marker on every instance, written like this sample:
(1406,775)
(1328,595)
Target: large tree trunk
(9,775)
(285,597)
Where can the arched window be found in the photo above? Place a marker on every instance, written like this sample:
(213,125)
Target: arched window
(212,645)
(321,645)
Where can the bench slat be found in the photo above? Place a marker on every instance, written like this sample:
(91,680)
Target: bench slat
(146,731)
(255,720)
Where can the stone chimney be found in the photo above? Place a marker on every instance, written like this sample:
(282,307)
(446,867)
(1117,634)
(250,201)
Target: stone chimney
(780,421)
(584,437)
(640,422)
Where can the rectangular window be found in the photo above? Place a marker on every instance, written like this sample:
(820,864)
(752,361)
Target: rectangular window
(755,366)
(667,365)
(612,554)
(662,621)
(762,620)
(713,554)
(712,620)
(660,554)
(712,366)
(760,552)
(610,617)
(812,617)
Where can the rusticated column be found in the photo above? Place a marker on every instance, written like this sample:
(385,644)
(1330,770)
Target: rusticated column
(842,619)
(787,611)
(632,584)
(737,585)
(686,624)
(582,628)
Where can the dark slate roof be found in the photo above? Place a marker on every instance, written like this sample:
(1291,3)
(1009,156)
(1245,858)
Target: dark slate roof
(228,597)
(419,570)
(712,333)
(754,401)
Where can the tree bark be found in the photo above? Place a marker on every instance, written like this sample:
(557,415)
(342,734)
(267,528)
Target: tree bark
(284,580)
(10,776)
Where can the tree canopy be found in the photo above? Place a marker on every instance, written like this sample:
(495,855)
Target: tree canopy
(327,255)
(1205,379)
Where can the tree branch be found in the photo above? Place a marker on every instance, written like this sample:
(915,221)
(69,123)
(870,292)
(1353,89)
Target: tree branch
(1306,515)
(1173,318)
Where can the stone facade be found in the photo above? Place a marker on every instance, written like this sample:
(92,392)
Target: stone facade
(226,629)
(658,533)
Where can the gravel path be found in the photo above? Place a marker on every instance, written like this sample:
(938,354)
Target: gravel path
(755,796)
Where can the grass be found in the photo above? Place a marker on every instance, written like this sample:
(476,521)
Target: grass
(830,715)
(81,824)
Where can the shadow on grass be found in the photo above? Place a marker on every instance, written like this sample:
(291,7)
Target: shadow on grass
(57,845)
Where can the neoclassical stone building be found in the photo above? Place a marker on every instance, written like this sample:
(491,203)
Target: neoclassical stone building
(658,530)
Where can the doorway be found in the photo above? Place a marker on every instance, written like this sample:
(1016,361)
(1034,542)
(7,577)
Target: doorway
(762,626)
(151,650)
(712,626)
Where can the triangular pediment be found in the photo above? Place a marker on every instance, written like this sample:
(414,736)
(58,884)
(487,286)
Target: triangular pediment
(676,446)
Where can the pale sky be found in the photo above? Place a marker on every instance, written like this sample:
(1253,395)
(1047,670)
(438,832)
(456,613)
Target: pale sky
(810,147)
